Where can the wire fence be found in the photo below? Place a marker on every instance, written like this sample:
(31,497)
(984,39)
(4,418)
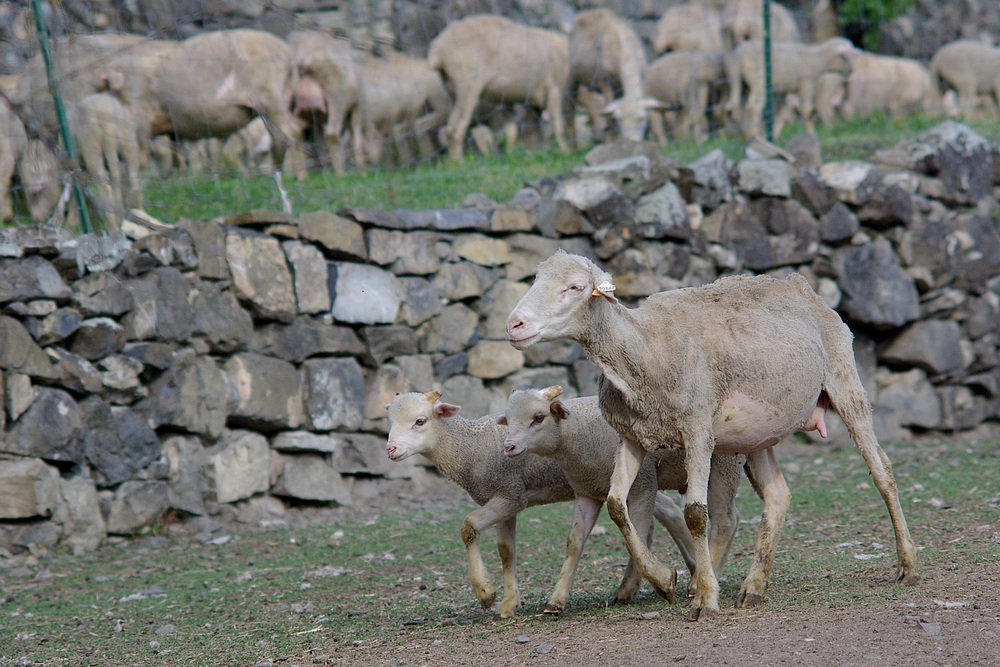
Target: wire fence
(183,90)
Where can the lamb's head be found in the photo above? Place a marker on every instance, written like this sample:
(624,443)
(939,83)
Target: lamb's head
(558,304)
(532,419)
(632,115)
(413,423)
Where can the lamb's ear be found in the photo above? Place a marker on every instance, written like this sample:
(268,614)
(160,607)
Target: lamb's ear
(502,420)
(559,411)
(604,287)
(445,410)
(550,393)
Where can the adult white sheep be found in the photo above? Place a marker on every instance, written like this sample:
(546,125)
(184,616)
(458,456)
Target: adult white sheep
(574,434)
(730,367)
(470,453)
(498,60)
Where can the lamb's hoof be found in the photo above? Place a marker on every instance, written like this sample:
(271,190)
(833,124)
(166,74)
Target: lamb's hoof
(749,600)
(703,614)
(909,578)
(667,593)
(488,596)
(554,609)
(508,606)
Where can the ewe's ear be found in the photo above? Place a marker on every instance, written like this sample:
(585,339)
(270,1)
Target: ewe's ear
(502,420)
(603,286)
(445,410)
(559,411)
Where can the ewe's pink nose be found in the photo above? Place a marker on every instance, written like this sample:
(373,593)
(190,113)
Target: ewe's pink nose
(513,324)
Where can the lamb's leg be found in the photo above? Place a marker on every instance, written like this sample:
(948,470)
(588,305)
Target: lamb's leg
(627,463)
(496,510)
(507,548)
(766,478)
(671,517)
(698,462)
(585,512)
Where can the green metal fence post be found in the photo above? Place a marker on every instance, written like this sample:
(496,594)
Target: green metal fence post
(768,93)
(43,42)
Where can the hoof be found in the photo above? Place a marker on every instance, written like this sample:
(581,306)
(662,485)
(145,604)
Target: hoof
(749,600)
(554,609)
(487,597)
(909,579)
(668,592)
(703,614)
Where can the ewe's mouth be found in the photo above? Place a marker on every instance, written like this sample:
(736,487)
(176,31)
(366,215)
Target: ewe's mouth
(523,342)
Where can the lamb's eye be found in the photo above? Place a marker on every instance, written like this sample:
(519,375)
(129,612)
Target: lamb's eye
(538,419)
(420,421)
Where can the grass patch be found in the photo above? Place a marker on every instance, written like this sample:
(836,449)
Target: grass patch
(376,581)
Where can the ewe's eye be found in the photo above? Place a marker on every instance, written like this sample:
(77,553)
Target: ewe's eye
(576,288)
(420,421)
(538,419)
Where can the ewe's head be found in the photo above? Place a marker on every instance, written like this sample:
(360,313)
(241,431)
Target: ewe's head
(532,417)
(632,115)
(558,303)
(413,420)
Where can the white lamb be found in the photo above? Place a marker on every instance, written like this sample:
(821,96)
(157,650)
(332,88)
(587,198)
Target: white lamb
(576,436)
(470,453)
(732,367)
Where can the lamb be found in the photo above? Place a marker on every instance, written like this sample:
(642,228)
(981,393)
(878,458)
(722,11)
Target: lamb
(731,367)
(685,79)
(576,436)
(393,95)
(470,453)
(794,70)
(894,85)
(476,54)
(742,21)
(971,68)
(606,54)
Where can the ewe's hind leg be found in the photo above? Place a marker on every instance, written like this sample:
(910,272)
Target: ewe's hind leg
(507,548)
(627,463)
(848,398)
(766,478)
(585,512)
(495,511)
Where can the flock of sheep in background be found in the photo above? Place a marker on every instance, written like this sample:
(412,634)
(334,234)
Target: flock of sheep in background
(318,100)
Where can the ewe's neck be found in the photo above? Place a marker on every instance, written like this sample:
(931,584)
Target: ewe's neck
(614,340)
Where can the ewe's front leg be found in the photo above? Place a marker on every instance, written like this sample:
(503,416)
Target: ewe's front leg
(585,512)
(507,548)
(698,464)
(495,511)
(766,478)
(627,463)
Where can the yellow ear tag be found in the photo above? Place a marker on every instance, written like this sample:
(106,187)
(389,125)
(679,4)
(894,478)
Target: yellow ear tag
(603,289)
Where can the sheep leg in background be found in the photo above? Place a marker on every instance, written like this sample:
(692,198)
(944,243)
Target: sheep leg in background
(627,463)
(493,512)
(507,548)
(585,512)
(766,478)
(286,205)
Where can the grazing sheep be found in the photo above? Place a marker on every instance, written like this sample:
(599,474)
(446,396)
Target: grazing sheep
(689,26)
(828,101)
(470,453)
(577,437)
(890,84)
(606,55)
(499,61)
(971,68)
(684,79)
(795,67)
(731,367)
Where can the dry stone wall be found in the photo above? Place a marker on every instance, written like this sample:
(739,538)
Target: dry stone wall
(244,362)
